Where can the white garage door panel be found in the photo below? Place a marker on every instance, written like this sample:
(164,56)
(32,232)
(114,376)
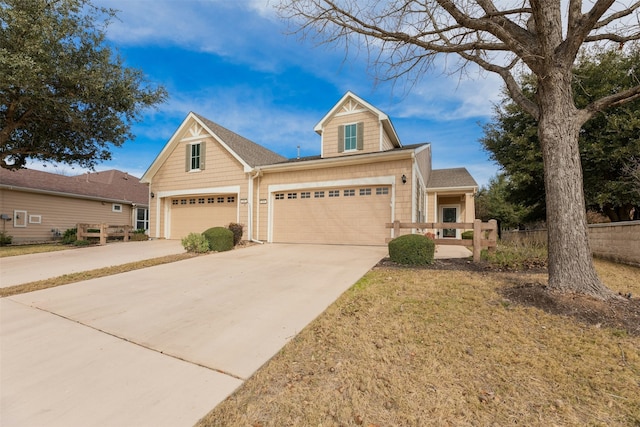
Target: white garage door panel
(198,217)
(358,219)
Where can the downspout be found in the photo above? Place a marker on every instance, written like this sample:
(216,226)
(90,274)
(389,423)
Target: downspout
(258,173)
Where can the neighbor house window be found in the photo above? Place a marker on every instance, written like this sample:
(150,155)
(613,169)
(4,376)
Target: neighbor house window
(142,219)
(116,207)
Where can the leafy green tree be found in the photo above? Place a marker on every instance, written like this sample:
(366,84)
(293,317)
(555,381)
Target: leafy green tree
(65,95)
(606,142)
(493,202)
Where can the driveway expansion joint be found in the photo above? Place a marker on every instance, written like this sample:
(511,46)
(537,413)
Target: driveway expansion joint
(220,371)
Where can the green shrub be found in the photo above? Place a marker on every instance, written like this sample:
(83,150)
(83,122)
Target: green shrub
(82,242)
(5,239)
(412,249)
(468,235)
(236,229)
(70,236)
(220,239)
(195,242)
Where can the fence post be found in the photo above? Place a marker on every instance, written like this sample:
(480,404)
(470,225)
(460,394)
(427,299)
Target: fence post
(396,228)
(127,228)
(477,240)
(103,234)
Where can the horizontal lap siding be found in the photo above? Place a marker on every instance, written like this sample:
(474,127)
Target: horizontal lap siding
(371,133)
(391,168)
(57,213)
(221,170)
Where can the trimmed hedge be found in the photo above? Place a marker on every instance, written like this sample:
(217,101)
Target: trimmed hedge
(467,235)
(220,239)
(412,249)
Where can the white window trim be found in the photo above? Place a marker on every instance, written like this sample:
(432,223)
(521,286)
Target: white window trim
(458,212)
(19,221)
(35,219)
(191,157)
(350,150)
(116,207)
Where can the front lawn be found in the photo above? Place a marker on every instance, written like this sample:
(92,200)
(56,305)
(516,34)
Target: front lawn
(420,347)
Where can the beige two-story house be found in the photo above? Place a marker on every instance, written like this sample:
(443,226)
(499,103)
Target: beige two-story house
(364,177)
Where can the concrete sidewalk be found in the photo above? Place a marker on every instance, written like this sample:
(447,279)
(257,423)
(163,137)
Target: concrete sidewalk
(30,268)
(163,345)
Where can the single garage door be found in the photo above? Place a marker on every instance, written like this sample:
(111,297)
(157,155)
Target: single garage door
(351,215)
(196,214)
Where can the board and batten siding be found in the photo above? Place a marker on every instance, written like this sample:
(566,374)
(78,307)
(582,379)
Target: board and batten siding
(56,213)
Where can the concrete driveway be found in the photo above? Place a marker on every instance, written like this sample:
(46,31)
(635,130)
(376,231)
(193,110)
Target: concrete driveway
(162,345)
(30,268)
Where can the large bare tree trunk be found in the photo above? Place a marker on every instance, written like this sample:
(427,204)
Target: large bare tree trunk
(570,262)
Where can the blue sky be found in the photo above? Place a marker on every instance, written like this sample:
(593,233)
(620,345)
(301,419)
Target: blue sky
(232,62)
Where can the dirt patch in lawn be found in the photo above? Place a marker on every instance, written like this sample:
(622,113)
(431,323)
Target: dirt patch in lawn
(622,314)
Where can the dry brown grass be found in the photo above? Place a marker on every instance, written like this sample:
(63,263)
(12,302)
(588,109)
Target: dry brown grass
(424,347)
(91,274)
(6,251)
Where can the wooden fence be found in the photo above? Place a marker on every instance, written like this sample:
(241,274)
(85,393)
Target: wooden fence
(485,234)
(104,232)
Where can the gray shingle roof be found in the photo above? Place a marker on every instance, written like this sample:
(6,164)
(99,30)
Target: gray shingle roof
(454,177)
(111,184)
(249,151)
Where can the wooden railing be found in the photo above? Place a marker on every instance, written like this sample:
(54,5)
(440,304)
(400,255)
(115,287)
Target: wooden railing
(485,234)
(104,231)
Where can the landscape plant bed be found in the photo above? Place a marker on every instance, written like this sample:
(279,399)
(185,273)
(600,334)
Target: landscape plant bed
(435,346)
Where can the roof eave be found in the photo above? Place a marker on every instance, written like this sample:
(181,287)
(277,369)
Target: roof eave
(71,195)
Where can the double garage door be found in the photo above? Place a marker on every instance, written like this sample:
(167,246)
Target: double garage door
(349,215)
(195,214)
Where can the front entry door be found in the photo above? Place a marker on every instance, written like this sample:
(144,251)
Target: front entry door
(449,214)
